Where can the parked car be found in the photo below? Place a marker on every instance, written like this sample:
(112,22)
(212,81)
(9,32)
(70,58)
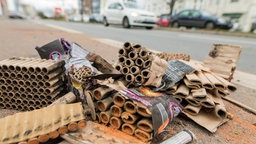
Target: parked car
(16,15)
(128,14)
(199,18)
(253,27)
(78,18)
(163,20)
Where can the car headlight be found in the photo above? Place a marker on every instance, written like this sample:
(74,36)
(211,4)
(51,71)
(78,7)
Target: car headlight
(134,14)
(221,20)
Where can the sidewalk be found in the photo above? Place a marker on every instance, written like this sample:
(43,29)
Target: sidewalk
(19,38)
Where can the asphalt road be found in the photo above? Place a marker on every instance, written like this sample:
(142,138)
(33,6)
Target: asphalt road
(197,45)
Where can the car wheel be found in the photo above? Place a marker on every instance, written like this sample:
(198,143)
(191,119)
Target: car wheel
(149,28)
(209,25)
(175,25)
(105,22)
(126,23)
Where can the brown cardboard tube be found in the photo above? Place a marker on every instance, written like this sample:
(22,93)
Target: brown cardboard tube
(134,70)
(199,94)
(205,82)
(139,62)
(191,85)
(8,105)
(67,98)
(179,99)
(144,54)
(208,101)
(129,62)
(220,92)
(55,88)
(2,105)
(81,124)
(119,67)
(116,111)
(54,74)
(142,135)
(145,125)
(128,128)
(33,141)
(54,134)
(145,74)
(130,78)
(52,82)
(115,122)
(143,110)
(23,142)
(101,92)
(132,55)
(104,104)
(139,79)
(128,46)
(122,52)
(130,107)
(6,74)
(220,111)
(63,130)
(129,118)
(119,100)
(73,126)
(227,84)
(105,116)
(43,138)
(136,47)
(171,90)
(217,84)
(193,110)
(192,101)
(182,91)
(193,78)
(122,59)
(14,106)
(51,67)
(98,118)
(39,77)
(125,70)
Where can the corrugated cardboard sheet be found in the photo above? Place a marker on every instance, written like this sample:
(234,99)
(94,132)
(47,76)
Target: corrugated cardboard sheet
(25,125)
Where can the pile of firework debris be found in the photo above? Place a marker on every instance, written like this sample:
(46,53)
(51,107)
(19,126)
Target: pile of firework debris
(139,95)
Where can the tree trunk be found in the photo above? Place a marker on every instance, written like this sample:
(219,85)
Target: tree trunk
(172,6)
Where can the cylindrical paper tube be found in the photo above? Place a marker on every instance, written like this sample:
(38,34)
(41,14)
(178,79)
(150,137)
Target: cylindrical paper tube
(182,91)
(119,67)
(205,82)
(182,137)
(63,130)
(134,70)
(179,99)
(133,55)
(220,92)
(193,78)
(192,109)
(192,101)
(129,118)
(105,116)
(54,134)
(119,100)
(130,107)
(220,111)
(72,126)
(129,78)
(171,90)
(145,74)
(143,110)
(122,52)
(122,59)
(115,122)
(67,98)
(128,46)
(125,70)
(43,138)
(142,135)
(116,111)
(104,104)
(136,47)
(208,102)
(145,125)
(81,124)
(101,92)
(191,85)
(217,83)
(50,67)
(139,62)
(33,141)
(199,94)
(227,84)
(139,79)
(143,54)
(54,74)
(128,128)
(98,118)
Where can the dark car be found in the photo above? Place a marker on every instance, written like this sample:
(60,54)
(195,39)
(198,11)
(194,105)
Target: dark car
(199,18)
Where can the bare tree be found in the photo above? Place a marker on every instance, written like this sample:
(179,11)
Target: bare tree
(171,4)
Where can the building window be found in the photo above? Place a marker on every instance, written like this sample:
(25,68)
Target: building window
(234,0)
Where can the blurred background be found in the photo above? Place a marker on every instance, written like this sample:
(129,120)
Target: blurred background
(242,13)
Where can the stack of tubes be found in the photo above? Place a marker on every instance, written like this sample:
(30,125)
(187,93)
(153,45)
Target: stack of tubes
(117,111)
(29,83)
(202,90)
(71,127)
(81,73)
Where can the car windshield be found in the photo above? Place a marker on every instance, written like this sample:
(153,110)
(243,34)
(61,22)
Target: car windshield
(204,13)
(131,5)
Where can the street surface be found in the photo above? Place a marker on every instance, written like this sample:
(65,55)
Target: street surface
(197,45)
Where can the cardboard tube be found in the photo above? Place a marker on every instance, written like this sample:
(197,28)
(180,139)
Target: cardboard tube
(2,105)
(101,92)
(54,74)
(142,135)
(199,94)
(119,67)
(104,104)
(171,90)
(128,128)
(193,110)
(54,134)
(33,141)
(139,62)
(119,100)
(192,101)
(193,78)
(67,98)
(217,84)
(139,79)
(52,82)
(116,111)
(191,85)
(132,55)
(51,67)
(220,111)
(145,125)
(63,130)
(134,70)
(122,59)
(98,118)
(182,91)
(143,110)
(136,47)
(129,62)
(73,126)
(130,78)
(145,73)
(128,46)
(53,89)
(179,99)
(129,118)
(220,92)
(125,70)
(205,82)
(130,107)
(81,124)
(105,116)
(122,52)
(23,142)
(143,54)
(43,138)
(115,122)
(208,101)
(227,84)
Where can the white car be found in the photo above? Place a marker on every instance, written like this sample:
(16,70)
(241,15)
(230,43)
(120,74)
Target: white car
(128,14)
